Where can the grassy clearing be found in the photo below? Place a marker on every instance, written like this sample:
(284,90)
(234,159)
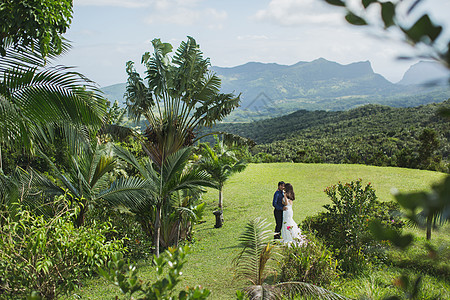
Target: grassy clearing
(249,195)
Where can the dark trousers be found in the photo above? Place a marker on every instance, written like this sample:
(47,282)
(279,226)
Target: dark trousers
(279,220)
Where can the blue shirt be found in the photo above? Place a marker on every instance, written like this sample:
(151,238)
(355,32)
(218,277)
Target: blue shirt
(278,200)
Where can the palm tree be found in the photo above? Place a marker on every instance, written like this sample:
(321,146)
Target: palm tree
(84,178)
(220,163)
(35,99)
(258,249)
(148,195)
(186,211)
(180,95)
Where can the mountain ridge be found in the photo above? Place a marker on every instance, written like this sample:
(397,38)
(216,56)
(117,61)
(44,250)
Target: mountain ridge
(271,89)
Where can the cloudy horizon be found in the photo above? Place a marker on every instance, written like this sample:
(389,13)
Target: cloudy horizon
(105,34)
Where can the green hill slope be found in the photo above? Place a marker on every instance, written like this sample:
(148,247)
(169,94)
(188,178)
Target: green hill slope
(371,134)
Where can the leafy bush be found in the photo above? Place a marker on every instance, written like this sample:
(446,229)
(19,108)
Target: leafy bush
(126,227)
(344,226)
(311,262)
(50,255)
(125,277)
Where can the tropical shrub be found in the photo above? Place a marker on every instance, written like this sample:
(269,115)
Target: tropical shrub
(254,264)
(124,276)
(311,262)
(344,225)
(50,256)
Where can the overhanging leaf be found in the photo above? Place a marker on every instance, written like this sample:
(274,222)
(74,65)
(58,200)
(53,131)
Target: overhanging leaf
(423,28)
(354,19)
(366,3)
(388,13)
(336,2)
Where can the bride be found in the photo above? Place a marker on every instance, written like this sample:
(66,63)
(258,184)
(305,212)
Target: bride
(290,232)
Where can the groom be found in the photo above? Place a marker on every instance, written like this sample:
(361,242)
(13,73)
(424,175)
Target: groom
(279,207)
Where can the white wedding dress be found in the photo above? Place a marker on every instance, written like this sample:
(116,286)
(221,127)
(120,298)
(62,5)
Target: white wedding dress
(290,233)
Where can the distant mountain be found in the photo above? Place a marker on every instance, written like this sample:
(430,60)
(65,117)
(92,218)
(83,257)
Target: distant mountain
(115,92)
(426,72)
(269,90)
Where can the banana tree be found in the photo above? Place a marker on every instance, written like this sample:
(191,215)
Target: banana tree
(148,195)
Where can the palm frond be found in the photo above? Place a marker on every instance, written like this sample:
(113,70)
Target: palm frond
(145,169)
(132,193)
(262,292)
(175,163)
(253,241)
(34,97)
(98,163)
(192,180)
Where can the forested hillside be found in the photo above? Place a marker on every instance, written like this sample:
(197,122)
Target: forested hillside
(415,137)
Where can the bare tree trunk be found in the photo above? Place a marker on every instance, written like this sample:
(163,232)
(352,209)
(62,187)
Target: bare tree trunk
(81,213)
(157,229)
(220,198)
(429,220)
(178,233)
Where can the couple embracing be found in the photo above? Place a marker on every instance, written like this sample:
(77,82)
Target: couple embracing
(286,228)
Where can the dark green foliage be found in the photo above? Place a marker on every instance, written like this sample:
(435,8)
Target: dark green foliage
(372,135)
(124,275)
(56,152)
(27,22)
(311,262)
(344,226)
(428,209)
(429,143)
(137,243)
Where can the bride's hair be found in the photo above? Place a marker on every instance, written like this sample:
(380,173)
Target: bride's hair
(289,190)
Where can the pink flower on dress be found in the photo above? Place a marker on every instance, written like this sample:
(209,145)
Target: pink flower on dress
(289,227)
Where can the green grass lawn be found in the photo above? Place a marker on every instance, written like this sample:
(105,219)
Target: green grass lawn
(249,195)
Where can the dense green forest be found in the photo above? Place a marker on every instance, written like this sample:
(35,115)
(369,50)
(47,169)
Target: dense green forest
(413,137)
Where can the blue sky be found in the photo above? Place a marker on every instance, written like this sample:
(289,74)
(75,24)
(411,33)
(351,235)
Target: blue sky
(105,34)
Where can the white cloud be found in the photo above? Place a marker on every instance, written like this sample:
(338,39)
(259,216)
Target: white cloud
(252,37)
(117,3)
(186,13)
(298,12)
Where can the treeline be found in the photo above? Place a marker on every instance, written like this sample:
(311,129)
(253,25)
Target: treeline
(414,137)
